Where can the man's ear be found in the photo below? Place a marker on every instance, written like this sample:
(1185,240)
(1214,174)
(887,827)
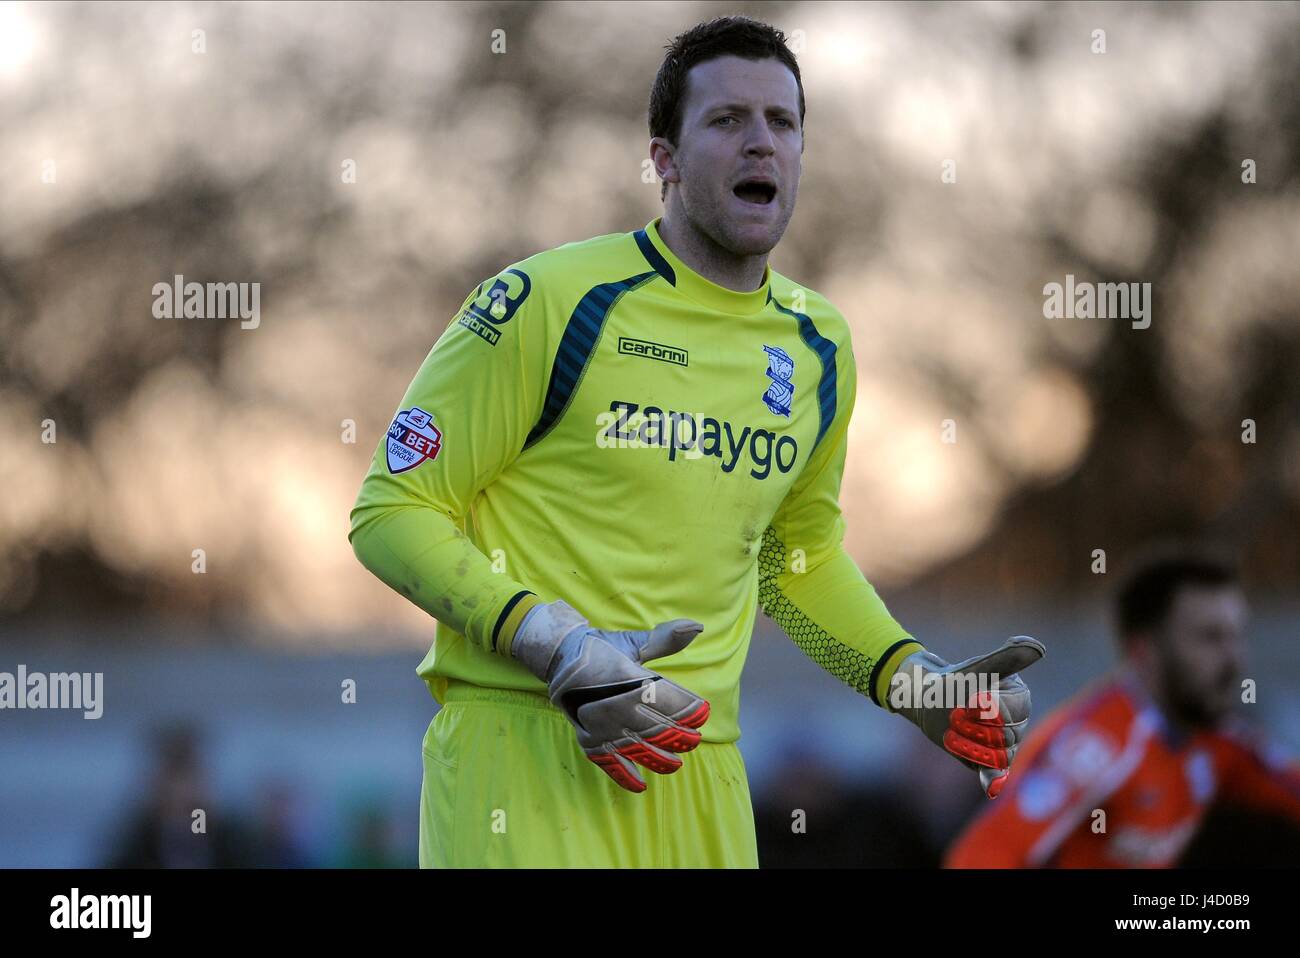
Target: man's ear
(670,174)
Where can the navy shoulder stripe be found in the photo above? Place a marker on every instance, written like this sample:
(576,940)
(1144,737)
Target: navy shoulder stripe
(654,257)
(825,350)
(576,346)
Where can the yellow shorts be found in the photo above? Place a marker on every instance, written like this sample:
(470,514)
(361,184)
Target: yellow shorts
(507,786)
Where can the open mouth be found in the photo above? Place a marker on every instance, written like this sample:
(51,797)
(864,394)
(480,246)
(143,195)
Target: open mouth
(757,191)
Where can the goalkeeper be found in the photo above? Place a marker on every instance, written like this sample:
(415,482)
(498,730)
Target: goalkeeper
(615,453)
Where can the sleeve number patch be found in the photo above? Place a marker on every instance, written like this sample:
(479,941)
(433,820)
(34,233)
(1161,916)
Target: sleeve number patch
(496,305)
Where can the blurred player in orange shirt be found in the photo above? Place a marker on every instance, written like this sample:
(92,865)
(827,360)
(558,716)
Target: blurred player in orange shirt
(1151,745)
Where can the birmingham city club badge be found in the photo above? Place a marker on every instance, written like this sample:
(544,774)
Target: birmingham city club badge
(780,367)
(412,439)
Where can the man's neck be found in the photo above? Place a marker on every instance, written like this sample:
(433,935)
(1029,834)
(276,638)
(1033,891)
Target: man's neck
(1147,685)
(742,274)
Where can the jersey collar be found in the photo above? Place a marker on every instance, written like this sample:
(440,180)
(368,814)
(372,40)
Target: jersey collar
(1173,736)
(694,286)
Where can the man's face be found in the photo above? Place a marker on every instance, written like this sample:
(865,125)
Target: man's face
(740,121)
(1200,652)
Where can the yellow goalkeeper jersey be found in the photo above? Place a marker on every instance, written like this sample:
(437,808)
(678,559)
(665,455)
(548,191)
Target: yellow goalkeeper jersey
(598,423)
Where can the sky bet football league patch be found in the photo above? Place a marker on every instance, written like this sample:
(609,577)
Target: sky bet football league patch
(412,439)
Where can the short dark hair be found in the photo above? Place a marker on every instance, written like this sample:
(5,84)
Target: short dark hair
(1147,593)
(724,36)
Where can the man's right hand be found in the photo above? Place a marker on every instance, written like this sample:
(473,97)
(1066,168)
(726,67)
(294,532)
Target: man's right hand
(623,712)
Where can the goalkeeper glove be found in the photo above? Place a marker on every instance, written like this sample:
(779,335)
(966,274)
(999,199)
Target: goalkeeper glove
(981,728)
(622,711)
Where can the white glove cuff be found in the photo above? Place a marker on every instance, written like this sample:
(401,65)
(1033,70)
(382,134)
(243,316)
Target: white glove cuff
(541,633)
